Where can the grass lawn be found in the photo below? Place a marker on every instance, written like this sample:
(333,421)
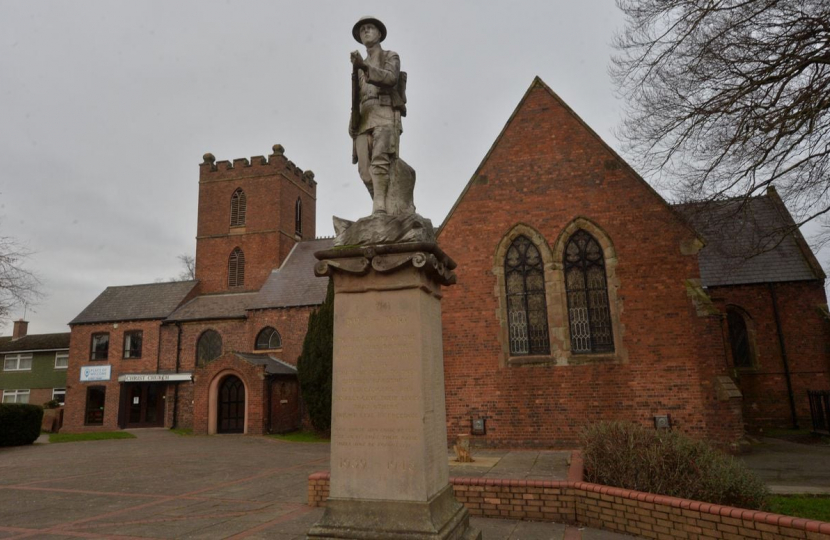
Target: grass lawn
(804,506)
(98,436)
(300,436)
(182,431)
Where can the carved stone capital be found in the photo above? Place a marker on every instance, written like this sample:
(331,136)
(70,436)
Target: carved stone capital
(386,259)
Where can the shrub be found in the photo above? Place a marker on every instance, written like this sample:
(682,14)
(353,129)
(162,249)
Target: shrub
(630,456)
(19,423)
(314,368)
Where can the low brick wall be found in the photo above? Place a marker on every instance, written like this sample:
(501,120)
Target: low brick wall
(613,509)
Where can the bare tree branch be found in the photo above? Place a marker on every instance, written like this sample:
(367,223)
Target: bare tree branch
(727,97)
(18,286)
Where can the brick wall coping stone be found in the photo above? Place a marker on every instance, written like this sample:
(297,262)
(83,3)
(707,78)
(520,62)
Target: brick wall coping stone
(612,492)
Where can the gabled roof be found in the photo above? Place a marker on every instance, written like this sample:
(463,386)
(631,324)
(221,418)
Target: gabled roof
(135,302)
(273,365)
(538,83)
(750,241)
(35,342)
(214,306)
(294,283)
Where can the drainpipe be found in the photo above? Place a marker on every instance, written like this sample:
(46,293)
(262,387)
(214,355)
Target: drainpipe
(270,383)
(783,355)
(176,387)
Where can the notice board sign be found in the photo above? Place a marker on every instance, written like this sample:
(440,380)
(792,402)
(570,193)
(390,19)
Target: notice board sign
(96,373)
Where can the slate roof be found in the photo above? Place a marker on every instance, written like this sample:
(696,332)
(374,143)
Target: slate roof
(747,244)
(273,365)
(35,342)
(135,302)
(214,306)
(294,283)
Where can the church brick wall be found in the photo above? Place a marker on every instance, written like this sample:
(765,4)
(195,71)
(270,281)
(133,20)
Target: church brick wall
(806,340)
(546,170)
(291,323)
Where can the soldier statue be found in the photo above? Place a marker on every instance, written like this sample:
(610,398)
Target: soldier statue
(378,103)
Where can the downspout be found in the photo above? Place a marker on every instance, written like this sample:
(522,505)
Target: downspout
(783,354)
(270,392)
(176,388)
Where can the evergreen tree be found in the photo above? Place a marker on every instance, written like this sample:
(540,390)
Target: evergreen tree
(314,367)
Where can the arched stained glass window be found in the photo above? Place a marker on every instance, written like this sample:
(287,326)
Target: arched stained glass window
(587,289)
(739,338)
(268,338)
(208,348)
(527,312)
(236,268)
(239,207)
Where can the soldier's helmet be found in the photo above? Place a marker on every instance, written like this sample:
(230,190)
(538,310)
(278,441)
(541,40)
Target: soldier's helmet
(364,20)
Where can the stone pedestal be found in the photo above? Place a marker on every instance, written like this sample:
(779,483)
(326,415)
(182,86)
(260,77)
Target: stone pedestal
(389,471)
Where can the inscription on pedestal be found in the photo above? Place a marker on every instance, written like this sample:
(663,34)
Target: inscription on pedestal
(384,410)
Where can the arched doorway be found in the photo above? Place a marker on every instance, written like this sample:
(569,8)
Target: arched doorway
(231,411)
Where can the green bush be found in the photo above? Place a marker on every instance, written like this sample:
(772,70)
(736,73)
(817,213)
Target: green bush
(631,456)
(314,368)
(19,423)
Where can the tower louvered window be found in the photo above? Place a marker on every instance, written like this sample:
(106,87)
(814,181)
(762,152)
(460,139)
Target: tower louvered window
(236,268)
(238,208)
(526,306)
(588,310)
(298,217)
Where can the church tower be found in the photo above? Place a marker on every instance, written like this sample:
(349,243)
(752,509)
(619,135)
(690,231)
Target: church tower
(251,213)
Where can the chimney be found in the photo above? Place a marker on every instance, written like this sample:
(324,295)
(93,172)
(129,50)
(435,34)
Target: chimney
(20,329)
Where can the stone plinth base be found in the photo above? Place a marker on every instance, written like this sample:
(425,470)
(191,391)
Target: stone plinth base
(389,472)
(442,518)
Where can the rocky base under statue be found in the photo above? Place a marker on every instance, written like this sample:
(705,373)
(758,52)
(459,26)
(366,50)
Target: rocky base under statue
(380,229)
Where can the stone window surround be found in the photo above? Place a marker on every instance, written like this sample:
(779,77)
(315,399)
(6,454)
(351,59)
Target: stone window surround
(556,298)
(750,336)
(18,359)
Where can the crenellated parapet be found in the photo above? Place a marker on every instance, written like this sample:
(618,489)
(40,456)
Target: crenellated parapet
(212,170)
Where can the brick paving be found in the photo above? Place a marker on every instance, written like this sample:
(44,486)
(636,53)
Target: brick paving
(162,485)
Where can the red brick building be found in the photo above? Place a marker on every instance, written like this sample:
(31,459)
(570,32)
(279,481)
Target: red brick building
(582,296)
(216,354)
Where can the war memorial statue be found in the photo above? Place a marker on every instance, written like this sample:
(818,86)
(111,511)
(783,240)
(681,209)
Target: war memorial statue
(389,476)
(378,104)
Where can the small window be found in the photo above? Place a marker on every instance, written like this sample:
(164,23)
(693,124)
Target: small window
(236,268)
(15,396)
(208,348)
(18,362)
(59,395)
(61,360)
(132,343)
(96,400)
(268,338)
(100,346)
(739,338)
(298,217)
(238,208)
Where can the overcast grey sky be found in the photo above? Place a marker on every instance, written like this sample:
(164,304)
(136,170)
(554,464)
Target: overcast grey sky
(106,108)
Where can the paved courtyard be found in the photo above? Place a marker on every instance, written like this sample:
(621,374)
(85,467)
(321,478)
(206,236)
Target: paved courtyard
(162,485)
